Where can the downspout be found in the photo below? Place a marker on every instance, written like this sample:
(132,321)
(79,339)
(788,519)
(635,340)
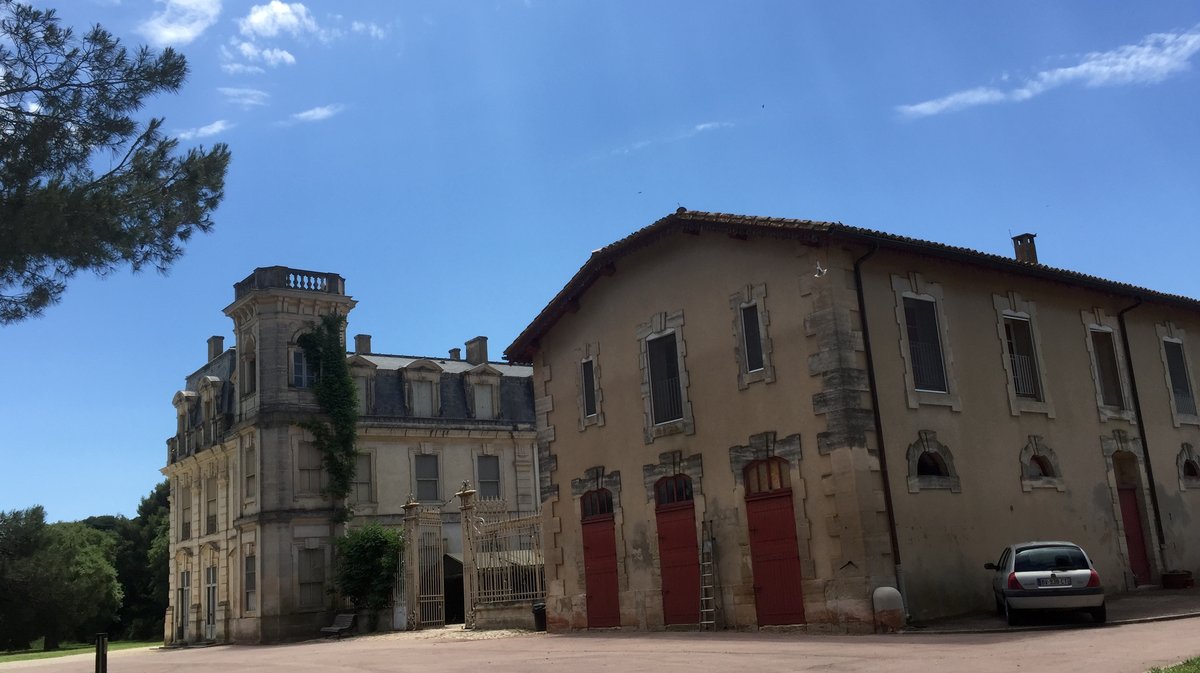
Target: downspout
(883,469)
(1137,412)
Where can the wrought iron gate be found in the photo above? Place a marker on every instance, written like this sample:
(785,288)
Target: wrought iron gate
(431,598)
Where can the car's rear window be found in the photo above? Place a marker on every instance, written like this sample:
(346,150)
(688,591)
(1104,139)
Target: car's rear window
(1050,558)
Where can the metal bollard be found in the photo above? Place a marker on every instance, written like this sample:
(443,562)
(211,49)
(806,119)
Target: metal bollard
(101,653)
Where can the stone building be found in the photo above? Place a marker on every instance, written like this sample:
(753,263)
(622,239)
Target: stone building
(821,410)
(251,532)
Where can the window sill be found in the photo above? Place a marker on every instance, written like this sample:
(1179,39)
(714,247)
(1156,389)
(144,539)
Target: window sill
(934,398)
(681,426)
(1116,414)
(1027,484)
(927,483)
(1186,419)
(1025,405)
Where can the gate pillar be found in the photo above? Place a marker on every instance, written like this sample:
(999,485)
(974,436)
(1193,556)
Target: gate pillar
(466,506)
(412,566)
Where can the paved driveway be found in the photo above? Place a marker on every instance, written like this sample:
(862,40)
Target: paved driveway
(1133,648)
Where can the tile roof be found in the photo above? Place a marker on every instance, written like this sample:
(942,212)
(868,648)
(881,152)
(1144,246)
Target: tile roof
(601,260)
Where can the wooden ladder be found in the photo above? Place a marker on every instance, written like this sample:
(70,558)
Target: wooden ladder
(708,579)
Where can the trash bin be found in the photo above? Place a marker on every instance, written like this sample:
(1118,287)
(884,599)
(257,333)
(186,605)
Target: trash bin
(539,616)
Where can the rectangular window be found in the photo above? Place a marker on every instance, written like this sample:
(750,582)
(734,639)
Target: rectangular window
(589,387)
(312,578)
(925,345)
(303,374)
(489,477)
(666,399)
(360,490)
(250,469)
(1181,386)
(210,506)
(360,385)
(483,401)
(427,478)
(422,401)
(1106,369)
(250,584)
(1019,339)
(250,376)
(185,516)
(752,338)
(309,475)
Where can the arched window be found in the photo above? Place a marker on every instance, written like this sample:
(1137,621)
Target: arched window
(1191,470)
(672,490)
(930,464)
(766,476)
(597,504)
(1039,466)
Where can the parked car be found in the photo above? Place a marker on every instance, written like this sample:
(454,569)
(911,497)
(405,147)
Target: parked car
(1046,576)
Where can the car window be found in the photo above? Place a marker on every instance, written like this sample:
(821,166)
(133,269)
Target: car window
(1050,558)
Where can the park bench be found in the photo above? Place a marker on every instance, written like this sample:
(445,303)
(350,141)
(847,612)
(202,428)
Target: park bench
(341,623)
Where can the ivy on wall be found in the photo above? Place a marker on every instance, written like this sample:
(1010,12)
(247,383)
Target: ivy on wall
(334,433)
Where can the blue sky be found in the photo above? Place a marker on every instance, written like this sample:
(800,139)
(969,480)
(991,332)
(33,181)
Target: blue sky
(456,162)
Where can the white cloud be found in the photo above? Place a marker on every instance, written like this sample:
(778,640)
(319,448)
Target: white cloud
(1155,58)
(241,69)
(205,131)
(247,98)
(675,137)
(271,56)
(318,113)
(277,17)
(368,28)
(180,21)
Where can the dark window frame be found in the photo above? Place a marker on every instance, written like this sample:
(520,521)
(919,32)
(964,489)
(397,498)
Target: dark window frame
(927,358)
(666,389)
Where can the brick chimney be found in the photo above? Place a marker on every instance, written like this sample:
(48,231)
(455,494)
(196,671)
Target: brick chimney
(1025,249)
(477,350)
(362,343)
(216,346)
(455,353)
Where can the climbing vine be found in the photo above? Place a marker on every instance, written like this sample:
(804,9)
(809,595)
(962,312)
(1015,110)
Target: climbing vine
(334,433)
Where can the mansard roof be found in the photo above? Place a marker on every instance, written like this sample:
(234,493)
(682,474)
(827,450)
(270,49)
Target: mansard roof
(602,261)
(446,364)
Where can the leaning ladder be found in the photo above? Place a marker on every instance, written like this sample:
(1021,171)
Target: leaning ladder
(708,579)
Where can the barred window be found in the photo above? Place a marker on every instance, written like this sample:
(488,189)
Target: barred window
(597,504)
(666,396)
(925,345)
(672,490)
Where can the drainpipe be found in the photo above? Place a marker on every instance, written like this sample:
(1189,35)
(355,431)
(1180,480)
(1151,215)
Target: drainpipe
(883,470)
(1137,411)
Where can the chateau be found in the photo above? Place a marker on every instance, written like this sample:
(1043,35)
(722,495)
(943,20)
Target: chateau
(251,531)
(748,421)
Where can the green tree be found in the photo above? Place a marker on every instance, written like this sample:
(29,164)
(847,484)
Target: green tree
(367,565)
(78,591)
(83,185)
(335,434)
(141,568)
(22,538)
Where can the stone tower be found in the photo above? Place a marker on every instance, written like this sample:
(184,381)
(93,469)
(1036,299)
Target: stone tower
(285,522)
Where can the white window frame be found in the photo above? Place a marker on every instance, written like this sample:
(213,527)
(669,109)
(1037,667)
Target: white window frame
(417,479)
(1014,306)
(1169,332)
(915,286)
(753,294)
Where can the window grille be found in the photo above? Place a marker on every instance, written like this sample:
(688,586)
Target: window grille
(665,395)
(925,345)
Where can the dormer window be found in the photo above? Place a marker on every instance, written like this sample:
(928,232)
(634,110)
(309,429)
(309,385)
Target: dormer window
(483,401)
(422,398)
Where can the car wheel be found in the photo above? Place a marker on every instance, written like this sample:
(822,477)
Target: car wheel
(1013,615)
(1100,614)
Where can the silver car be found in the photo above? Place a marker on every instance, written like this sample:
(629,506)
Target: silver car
(1046,576)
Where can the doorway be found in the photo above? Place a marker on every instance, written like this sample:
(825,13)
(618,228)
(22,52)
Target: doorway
(774,556)
(600,559)
(679,555)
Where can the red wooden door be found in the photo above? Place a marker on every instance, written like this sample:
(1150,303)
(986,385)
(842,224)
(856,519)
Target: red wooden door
(778,597)
(600,560)
(1135,540)
(679,563)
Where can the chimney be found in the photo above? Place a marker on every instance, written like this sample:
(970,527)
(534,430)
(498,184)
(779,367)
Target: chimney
(477,350)
(1025,249)
(216,346)
(362,343)
(455,353)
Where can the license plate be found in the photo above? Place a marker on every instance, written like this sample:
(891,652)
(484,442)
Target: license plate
(1054,582)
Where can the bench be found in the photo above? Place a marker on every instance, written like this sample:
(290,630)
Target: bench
(341,623)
